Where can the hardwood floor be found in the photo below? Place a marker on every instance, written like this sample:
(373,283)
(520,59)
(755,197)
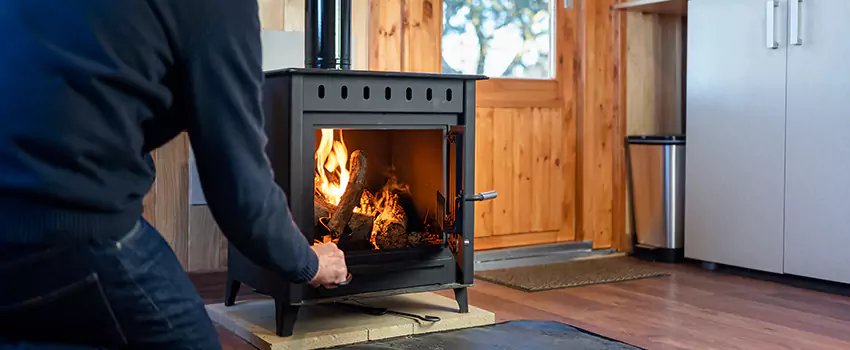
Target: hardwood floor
(692,309)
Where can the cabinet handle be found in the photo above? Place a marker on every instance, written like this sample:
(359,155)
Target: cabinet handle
(796,11)
(770,22)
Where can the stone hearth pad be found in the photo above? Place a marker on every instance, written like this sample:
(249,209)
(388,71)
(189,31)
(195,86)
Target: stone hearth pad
(322,326)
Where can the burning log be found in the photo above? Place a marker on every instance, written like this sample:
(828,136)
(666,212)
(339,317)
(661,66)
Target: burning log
(361,227)
(361,230)
(390,227)
(351,197)
(321,208)
(415,238)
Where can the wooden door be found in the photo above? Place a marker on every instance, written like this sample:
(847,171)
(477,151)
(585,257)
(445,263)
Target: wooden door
(817,224)
(526,112)
(526,148)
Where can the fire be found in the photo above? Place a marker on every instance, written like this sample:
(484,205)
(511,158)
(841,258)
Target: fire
(331,159)
(386,215)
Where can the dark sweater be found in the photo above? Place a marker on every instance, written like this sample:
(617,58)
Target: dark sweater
(89,87)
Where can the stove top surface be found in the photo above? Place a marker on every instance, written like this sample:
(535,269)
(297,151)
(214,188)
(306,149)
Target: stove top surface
(369,73)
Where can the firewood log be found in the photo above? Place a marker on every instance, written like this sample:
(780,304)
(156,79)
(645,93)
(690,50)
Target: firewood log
(321,208)
(351,197)
(415,238)
(361,230)
(361,227)
(391,227)
(392,235)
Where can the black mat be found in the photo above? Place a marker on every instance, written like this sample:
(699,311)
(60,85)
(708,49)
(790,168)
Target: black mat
(508,335)
(572,274)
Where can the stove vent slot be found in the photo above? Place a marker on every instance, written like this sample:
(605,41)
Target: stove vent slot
(396,95)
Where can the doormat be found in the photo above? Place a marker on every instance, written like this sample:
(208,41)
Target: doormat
(572,274)
(508,335)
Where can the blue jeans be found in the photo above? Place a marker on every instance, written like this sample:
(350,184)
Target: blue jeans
(128,292)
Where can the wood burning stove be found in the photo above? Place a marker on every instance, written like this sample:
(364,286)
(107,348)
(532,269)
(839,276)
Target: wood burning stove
(411,228)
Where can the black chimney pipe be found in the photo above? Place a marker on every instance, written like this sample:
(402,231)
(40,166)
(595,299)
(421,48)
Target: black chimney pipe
(327,35)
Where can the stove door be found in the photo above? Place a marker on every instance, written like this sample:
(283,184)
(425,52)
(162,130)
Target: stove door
(460,213)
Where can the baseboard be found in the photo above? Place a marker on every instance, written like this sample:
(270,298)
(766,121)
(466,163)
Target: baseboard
(809,283)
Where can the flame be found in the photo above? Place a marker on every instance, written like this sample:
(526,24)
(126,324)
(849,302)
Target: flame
(331,159)
(331,180)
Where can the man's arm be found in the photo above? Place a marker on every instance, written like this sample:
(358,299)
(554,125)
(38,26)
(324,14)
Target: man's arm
(222,77)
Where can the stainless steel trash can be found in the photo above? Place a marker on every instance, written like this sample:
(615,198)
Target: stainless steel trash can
(657,195)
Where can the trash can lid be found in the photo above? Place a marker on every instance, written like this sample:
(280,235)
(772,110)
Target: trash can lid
(656,139)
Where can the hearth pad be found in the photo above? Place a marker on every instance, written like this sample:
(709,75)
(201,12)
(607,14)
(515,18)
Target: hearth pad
(327,325)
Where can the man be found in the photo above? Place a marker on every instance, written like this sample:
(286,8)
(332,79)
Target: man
(87,89)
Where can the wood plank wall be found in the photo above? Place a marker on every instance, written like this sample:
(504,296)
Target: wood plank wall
(522,153)
(601,142)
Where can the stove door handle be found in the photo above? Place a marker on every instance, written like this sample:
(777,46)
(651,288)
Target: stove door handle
(483,196)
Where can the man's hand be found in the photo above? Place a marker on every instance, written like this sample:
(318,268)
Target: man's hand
(332,269)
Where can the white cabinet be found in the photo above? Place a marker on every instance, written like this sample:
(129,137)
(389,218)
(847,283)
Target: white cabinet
(736,135)
(768,125)
(817,181)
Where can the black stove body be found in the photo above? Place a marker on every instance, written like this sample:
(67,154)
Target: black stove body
(431,114)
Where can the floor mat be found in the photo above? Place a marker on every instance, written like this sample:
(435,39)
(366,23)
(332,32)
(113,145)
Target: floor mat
(508,335)
(572,274)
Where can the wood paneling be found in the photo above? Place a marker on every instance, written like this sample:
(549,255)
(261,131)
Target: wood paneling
(520,150)
(619,199)
(515,240)
(360,34)
(562,188)
(521,168)
(484,171)
(385,27)
(207,245)
(172,196)
(272,13)
(503,145)
(597,136)
(422,22)
(541,172)
(564,125)
(654,55)
(293,15)
(518,93)
(668,7)
(405,35)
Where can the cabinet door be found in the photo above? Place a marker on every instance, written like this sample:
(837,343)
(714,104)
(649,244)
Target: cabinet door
(817,206)
(736,133)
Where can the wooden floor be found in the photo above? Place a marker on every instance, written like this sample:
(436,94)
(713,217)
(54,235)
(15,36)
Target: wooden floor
(692,309)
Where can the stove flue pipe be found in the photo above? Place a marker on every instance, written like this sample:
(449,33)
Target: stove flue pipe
(327,35)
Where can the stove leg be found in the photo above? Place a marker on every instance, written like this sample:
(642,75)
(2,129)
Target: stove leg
(285,316)
(462,300)
(230,292)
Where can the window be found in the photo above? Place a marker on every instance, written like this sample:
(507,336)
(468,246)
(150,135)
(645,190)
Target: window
(498,38)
